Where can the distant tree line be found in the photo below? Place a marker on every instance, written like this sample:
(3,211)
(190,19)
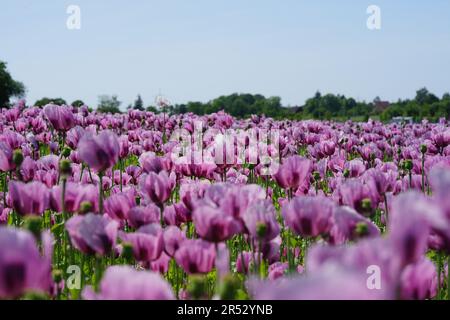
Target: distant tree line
(324,107)
(321,106)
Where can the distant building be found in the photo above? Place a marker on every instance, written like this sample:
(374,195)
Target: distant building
(408,120)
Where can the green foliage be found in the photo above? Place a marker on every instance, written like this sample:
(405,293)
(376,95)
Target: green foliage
(323,107)
(138,103)
(77,103)
(108,104)
(8,86)
(44,101)
(238,105)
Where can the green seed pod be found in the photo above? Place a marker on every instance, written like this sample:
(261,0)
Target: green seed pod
(261,229)
(361,229)
(86,207)
(57,275)
(423,149)
(17,157)
(65,167)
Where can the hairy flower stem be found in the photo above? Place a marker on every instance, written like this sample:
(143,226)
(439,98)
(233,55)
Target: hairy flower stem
(63,235)
(121,170)
(439,275)
(448,277)
(423,172)
(386,207)
(100,193)
(98,271)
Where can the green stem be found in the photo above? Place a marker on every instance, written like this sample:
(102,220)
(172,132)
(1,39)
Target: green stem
(100,193)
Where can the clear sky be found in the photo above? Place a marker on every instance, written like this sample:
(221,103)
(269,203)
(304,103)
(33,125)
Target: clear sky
(196,50)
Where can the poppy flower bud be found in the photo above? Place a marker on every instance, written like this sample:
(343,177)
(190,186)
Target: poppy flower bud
(423,148)
(197,287)
(408,165)
(17,157)
(85,207)
(366,205)
(361,229)
(261,229)
(57,275)
(34,225)
(65,167)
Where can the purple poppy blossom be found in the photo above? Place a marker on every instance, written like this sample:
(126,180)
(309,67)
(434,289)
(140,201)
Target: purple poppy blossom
(22,268)
(61,117)
(118,205)
(126,283)
(28,198)
(140,216)
(173,238)
(214,225)
(156,187)
(309,216)
(92,234)
(147,242)
(419,281)
(196,256)
(100,151)
(260,220)
(294,173)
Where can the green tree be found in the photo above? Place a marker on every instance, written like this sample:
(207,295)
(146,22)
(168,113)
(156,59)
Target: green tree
(423,96)
(108,104)
(44,101)
(8,86)
(138,103)
(77,103)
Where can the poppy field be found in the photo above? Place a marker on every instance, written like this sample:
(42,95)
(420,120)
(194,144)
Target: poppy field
(151,206)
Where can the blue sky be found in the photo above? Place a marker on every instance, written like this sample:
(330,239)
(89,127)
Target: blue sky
(196,50)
